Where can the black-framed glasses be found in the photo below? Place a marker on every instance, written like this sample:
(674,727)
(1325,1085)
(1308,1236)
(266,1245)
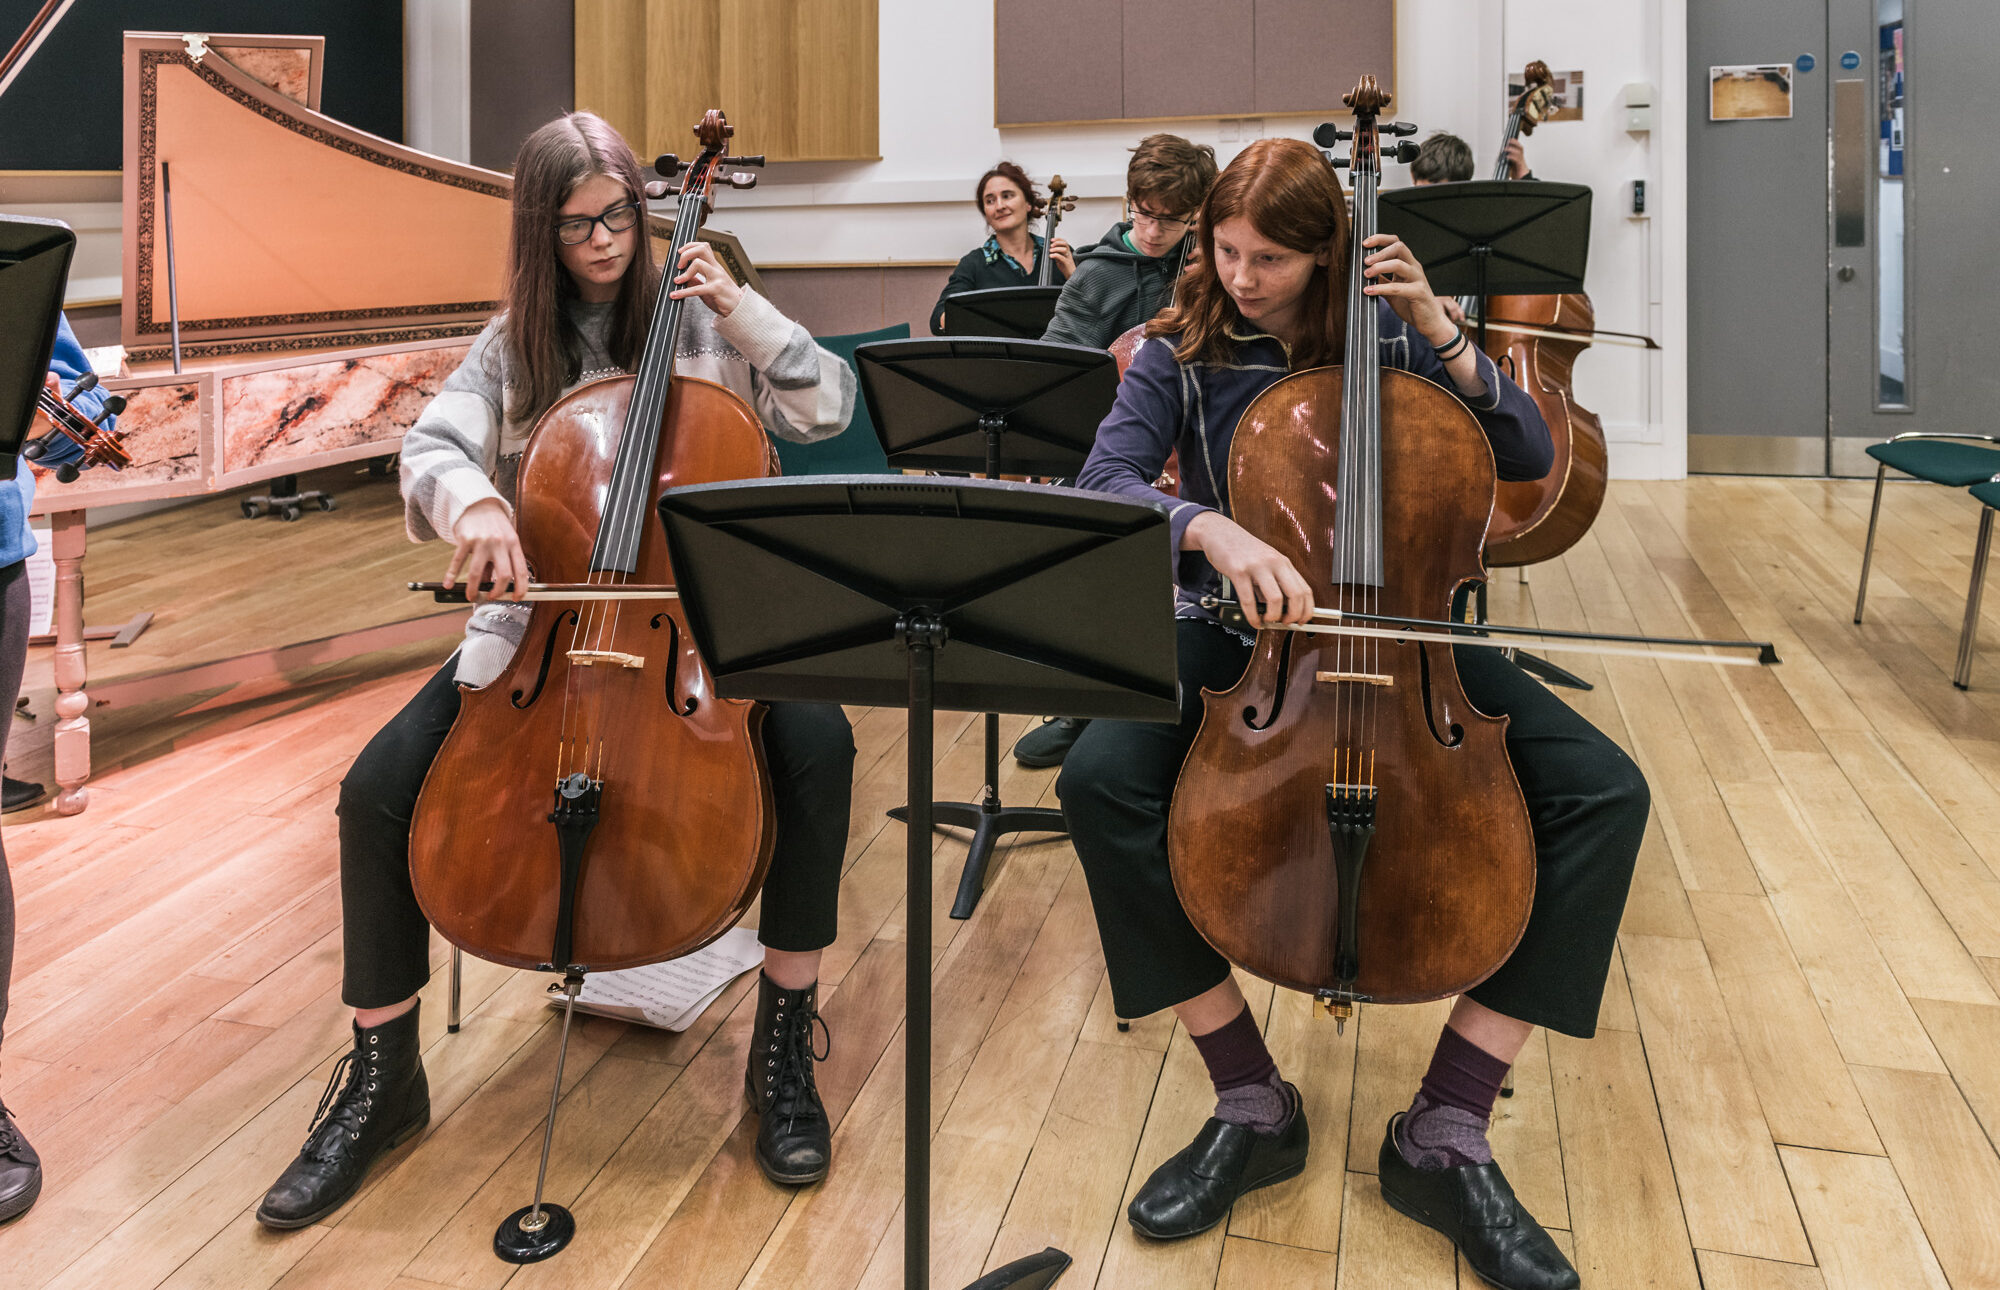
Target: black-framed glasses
(1166,224)
(575,232)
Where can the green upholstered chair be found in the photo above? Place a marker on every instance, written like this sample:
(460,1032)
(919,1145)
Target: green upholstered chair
(1954,460)
(855,450)
(1988,495)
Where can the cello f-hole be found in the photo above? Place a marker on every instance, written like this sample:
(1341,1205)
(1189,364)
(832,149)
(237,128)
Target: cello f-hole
(524,702)
(1278,695)
(1454,734)
(674,666)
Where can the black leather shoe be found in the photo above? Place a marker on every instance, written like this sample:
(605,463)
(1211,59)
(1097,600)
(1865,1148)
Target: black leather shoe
(1476,1209)
(20,1170)
(794,1137)
(383,1102)
(1047,744)
(1193,1191)
(19,794)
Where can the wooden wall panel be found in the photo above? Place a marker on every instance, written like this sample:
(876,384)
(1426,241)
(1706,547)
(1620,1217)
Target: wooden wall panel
(611,64)
(1189,58)
(798,78)
(1310,52)
(1058,60)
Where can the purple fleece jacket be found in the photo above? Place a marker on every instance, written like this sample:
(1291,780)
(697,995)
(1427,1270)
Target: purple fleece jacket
(1164,404)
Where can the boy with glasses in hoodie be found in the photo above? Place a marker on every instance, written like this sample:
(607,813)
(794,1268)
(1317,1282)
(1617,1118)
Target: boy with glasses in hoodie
(1118,284)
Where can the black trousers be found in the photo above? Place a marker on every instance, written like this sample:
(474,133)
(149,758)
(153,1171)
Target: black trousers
(13,657)
(1586,799)
(810,751)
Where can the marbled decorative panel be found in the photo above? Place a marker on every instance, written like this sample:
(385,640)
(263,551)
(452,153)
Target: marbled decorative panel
(294,414)
(288,71)
(161,428)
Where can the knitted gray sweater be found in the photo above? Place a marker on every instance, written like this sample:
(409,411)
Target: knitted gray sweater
(465,449)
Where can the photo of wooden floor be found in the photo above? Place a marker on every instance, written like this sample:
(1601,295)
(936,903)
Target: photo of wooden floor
(1795,1084)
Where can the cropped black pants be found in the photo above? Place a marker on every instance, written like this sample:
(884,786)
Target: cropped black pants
(809,748)
(1586,800)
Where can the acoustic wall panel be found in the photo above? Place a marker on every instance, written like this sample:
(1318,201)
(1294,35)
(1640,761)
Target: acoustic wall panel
(1189,58)
(1058,60)
(1310,52)
(1139,60)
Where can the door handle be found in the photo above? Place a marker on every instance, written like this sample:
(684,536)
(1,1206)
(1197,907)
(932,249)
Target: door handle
(1845,273)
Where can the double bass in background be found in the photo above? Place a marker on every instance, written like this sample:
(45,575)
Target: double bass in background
(1540,519)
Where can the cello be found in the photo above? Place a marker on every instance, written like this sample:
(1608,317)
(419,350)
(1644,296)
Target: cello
(1537,520)
(598,806)
(1346,823)
(1059,203)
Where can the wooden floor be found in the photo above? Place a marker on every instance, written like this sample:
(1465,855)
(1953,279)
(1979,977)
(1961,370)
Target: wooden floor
(1796,1082)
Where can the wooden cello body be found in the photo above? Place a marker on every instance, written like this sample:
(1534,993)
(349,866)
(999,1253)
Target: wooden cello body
(598,806)
(685,825)
(1539,519)
(1346,823)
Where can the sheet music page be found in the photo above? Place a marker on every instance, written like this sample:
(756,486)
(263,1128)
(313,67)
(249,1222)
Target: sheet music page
(42,583)
(671,995)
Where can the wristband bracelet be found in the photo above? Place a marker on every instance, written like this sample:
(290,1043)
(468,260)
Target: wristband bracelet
(1452,347)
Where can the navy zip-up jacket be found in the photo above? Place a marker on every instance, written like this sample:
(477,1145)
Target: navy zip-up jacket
(1164,404)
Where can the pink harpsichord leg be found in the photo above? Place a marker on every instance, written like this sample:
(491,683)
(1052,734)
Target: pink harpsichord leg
(72,733)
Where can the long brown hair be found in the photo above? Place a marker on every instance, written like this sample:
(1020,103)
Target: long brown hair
(1286,190)
(543,346)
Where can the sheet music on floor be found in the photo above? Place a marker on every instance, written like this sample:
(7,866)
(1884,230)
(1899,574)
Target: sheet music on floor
(673,994)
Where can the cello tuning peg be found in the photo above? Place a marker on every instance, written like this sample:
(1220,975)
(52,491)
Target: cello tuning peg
(659,188)
(1400,128)
(66,473)
(1341,163)
(84,384)
(757,160)
(1326,134)
(112,407)
(740,179)
(1404,152)
(667,165)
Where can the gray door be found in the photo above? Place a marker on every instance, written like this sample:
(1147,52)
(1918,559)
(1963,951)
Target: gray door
(1840,260)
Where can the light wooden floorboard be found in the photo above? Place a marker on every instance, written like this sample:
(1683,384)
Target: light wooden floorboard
(1793,1085)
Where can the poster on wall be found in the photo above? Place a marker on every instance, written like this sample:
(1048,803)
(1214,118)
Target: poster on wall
(1567,88)
(1891,98)
(1750,92)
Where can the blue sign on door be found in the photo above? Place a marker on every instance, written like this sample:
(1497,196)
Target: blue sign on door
(1806,62)
(1850,60)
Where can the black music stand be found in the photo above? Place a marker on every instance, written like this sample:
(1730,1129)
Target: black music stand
(1496,237)
(1026,407)
(1008,313)
(921,594)
(34,269)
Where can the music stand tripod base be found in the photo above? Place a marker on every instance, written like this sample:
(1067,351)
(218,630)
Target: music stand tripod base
(517,1242)
(1025,406)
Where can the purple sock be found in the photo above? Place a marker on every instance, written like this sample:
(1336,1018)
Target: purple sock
(1248,1090)
(1446,1124)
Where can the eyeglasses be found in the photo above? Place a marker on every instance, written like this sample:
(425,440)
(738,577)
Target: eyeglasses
(575,232)
(1161,222)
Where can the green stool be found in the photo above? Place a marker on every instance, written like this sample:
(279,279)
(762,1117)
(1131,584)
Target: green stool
(1954,460)
(855,450)
(1988,495)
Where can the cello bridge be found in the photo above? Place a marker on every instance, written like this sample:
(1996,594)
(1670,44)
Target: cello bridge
(605,658)
(1359,678)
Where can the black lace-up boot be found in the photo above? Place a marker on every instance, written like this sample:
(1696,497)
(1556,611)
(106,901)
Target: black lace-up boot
(376,1099)
(20,1170)
(795,1139)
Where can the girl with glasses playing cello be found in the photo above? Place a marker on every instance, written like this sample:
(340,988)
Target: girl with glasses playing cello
(581,288)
